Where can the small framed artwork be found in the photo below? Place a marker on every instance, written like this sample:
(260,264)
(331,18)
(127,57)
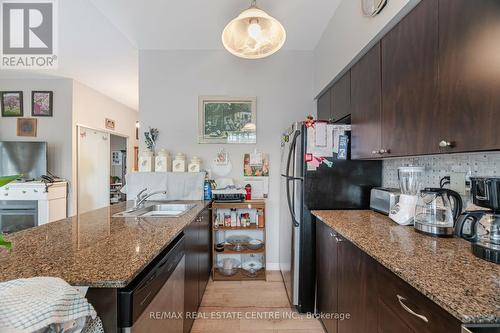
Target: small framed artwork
(110,124)
(12,103)
(26,127)
(227,120)
(41,103)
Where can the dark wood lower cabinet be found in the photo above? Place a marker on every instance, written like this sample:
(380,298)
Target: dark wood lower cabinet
(326,270)
(389,322)
(198,249)
(356,285)
(204,262)
(352,283)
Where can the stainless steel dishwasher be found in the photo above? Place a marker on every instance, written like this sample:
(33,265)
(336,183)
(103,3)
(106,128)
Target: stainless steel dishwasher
(154,302)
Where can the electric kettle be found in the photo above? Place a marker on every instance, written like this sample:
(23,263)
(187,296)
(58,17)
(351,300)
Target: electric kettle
(435,214)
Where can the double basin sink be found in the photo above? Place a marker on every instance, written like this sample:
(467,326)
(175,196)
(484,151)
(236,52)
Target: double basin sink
(157,210)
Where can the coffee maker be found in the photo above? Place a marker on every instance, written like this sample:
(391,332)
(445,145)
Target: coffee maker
(482,227)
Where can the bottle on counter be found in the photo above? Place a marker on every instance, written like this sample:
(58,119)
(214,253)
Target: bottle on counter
(248,189)
(207,189)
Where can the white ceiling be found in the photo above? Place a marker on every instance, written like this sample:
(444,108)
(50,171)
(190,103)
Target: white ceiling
(92,51)
(198,24)
(99,39)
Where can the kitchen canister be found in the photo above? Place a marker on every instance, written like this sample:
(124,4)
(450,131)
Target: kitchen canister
(146,161)
(179,163)
(163,161)
(194,164)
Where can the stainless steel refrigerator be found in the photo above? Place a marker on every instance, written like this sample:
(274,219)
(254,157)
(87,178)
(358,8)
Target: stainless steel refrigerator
(345,185)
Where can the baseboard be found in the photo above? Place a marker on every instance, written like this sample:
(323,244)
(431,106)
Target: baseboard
(272,267)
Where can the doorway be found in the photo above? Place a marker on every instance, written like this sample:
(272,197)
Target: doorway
(118,146)
(98,177)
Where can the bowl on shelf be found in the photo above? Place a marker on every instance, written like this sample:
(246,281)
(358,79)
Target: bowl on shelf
(251,268)
(237,243)
(228,266)
(255,244)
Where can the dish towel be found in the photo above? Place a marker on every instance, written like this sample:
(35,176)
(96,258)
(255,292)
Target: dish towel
(179,185)
(42,304)
(185,185)
(152,181)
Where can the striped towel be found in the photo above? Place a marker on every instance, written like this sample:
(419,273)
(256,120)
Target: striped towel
(29,305)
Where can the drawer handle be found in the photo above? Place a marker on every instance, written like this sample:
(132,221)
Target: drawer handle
(407,309)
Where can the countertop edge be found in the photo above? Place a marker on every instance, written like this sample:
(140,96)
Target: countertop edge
(416,285)
(123,284)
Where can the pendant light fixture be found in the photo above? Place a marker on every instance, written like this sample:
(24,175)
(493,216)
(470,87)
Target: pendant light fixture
(254,34)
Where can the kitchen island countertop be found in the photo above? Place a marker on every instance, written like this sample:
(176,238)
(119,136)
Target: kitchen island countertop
(93,249)
(443,269)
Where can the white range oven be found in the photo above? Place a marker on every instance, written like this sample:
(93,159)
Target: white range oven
(17,215)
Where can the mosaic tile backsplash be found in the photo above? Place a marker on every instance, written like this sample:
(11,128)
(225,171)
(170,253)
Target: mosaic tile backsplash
(439,166)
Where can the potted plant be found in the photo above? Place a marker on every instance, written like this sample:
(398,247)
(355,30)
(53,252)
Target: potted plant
(4,180)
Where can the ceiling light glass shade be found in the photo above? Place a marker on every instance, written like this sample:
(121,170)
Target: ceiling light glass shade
(253,34)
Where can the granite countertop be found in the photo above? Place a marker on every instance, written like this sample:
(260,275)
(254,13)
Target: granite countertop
(93,249)
(443,269)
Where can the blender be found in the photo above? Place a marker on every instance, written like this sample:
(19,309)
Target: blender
(403,212)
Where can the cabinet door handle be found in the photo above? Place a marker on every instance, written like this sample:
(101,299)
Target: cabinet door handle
(407,309)
(332,235)
(338,239)
(375,152)
(384,151)
(445,144)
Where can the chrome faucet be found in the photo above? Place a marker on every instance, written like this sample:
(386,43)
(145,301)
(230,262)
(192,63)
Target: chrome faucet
(142,196)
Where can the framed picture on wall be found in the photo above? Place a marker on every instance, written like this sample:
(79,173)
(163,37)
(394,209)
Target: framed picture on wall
(227,120)
(41,103)
(26,127)
(12,103)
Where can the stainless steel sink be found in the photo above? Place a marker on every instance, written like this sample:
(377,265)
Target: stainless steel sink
(157,210)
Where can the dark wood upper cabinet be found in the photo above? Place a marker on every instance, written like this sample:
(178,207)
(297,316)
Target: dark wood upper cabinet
(341,98)
(469,68)
(326,268)
(410,83)
(324,106)
(366,105)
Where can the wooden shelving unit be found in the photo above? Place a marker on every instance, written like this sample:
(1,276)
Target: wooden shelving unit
(258,224)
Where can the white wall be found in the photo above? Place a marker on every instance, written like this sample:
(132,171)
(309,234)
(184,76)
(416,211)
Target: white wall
(348,33)
(91,108)
(171,81)
(56,130)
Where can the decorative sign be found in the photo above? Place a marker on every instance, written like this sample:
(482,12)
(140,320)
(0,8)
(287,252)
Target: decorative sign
(110,124)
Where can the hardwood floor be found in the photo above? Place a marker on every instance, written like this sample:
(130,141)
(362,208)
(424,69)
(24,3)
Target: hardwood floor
(250,307)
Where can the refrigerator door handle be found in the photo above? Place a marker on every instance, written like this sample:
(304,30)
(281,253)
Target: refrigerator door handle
(288,178)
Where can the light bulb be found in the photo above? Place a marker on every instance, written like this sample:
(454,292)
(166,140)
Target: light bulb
(254,30)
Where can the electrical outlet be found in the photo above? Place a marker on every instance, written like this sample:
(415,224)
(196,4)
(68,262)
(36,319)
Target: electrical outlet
(457,182)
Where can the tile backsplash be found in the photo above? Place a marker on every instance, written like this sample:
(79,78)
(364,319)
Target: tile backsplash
(439,166)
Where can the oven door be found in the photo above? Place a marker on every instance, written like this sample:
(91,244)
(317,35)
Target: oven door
(17,215)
